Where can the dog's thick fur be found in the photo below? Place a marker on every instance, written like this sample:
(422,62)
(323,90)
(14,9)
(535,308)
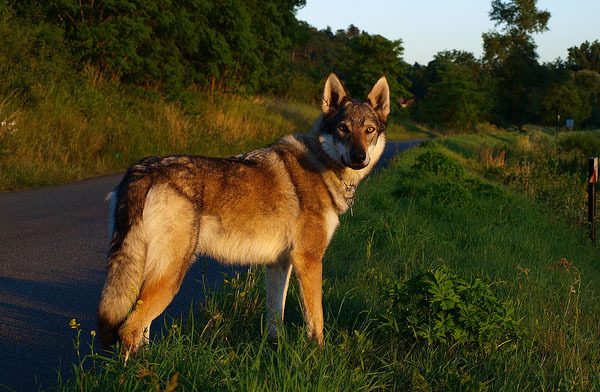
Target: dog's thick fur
(277,206)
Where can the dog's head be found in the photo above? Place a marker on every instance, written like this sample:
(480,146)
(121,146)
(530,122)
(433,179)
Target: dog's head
(351,128)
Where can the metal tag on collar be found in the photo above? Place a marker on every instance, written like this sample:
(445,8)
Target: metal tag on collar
(350,199)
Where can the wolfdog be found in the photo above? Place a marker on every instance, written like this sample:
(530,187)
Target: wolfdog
(277,206)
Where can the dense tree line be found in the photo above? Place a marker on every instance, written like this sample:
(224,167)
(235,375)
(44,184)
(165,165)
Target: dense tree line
(508,86)
(175,43)
(260,47)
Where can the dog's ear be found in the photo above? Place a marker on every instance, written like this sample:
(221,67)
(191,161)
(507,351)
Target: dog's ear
(333,94)
(379,98)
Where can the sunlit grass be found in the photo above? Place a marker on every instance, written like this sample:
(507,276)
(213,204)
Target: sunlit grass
(98,127)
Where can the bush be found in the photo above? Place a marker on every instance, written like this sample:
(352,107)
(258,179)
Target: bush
(446,192)
(31,55)
(587,144)
(442,180)
(438,307)
(438,163)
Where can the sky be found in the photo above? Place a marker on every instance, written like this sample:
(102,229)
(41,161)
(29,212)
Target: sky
(427,27)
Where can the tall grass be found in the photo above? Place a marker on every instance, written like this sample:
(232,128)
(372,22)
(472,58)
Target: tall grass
(550,168)
(94,126)
(413,217)
(100,127)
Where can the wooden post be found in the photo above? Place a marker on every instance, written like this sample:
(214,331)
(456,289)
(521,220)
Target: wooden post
(593,179)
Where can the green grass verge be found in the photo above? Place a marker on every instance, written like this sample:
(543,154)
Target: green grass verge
(462,251)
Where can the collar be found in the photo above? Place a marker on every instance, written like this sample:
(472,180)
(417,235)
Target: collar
(350,195)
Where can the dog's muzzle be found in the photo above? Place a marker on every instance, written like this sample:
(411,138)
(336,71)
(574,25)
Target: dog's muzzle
(358,160)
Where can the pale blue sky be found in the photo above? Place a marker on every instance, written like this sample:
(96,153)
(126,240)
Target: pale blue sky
(429,26)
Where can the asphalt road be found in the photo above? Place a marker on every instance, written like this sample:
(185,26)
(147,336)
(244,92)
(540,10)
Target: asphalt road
(53,244)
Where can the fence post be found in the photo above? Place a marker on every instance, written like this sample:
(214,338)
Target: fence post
(593,179)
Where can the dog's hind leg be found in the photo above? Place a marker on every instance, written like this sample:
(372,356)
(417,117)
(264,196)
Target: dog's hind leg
(169,229)
(154,299)
(277,279)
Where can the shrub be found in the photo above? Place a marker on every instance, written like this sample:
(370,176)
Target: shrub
(438,163)
(446,192)
(31,55)
(438,307)
(482,190)
(586,143)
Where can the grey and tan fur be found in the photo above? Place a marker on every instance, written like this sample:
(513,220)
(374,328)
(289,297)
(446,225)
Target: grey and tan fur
(277,206)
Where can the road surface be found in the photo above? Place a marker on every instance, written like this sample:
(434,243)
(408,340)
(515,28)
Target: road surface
(53,244)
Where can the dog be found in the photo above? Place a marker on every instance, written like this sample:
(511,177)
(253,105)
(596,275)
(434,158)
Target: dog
(276,206)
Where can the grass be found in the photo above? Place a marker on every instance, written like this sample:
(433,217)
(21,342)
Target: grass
(65,132)
(549,167)
(416,216)
(101,128)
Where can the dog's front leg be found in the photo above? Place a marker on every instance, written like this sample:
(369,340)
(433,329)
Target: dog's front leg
(277,279)
(309,269)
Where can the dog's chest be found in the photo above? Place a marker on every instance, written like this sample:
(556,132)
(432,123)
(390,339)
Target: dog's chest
(244,242)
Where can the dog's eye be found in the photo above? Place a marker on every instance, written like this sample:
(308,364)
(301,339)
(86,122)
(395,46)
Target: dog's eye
(370,129)
(343,128)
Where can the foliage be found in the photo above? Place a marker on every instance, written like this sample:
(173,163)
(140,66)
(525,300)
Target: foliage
(512,56)
(228,43)
(358,58)
(567,101)
(440,180)
(586,56)
(100,127)
(451,92)
(550,170)
(585,144)
(30,56)
(588,82)
(437,163)
(439,307)
(520,17)
(260,47)
(371,57)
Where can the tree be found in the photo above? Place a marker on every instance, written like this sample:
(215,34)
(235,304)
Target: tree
(358,58)
(453,97)
(568,101)
(588,83)
(372,56)
(586,56)
(512,58)
(173,43)
(520,18)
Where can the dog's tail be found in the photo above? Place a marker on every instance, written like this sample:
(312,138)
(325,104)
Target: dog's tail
(125,262)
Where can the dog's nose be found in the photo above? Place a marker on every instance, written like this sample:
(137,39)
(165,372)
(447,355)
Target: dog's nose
(358,156)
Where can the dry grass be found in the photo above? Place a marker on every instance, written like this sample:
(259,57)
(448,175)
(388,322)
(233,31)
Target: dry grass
(67,134)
